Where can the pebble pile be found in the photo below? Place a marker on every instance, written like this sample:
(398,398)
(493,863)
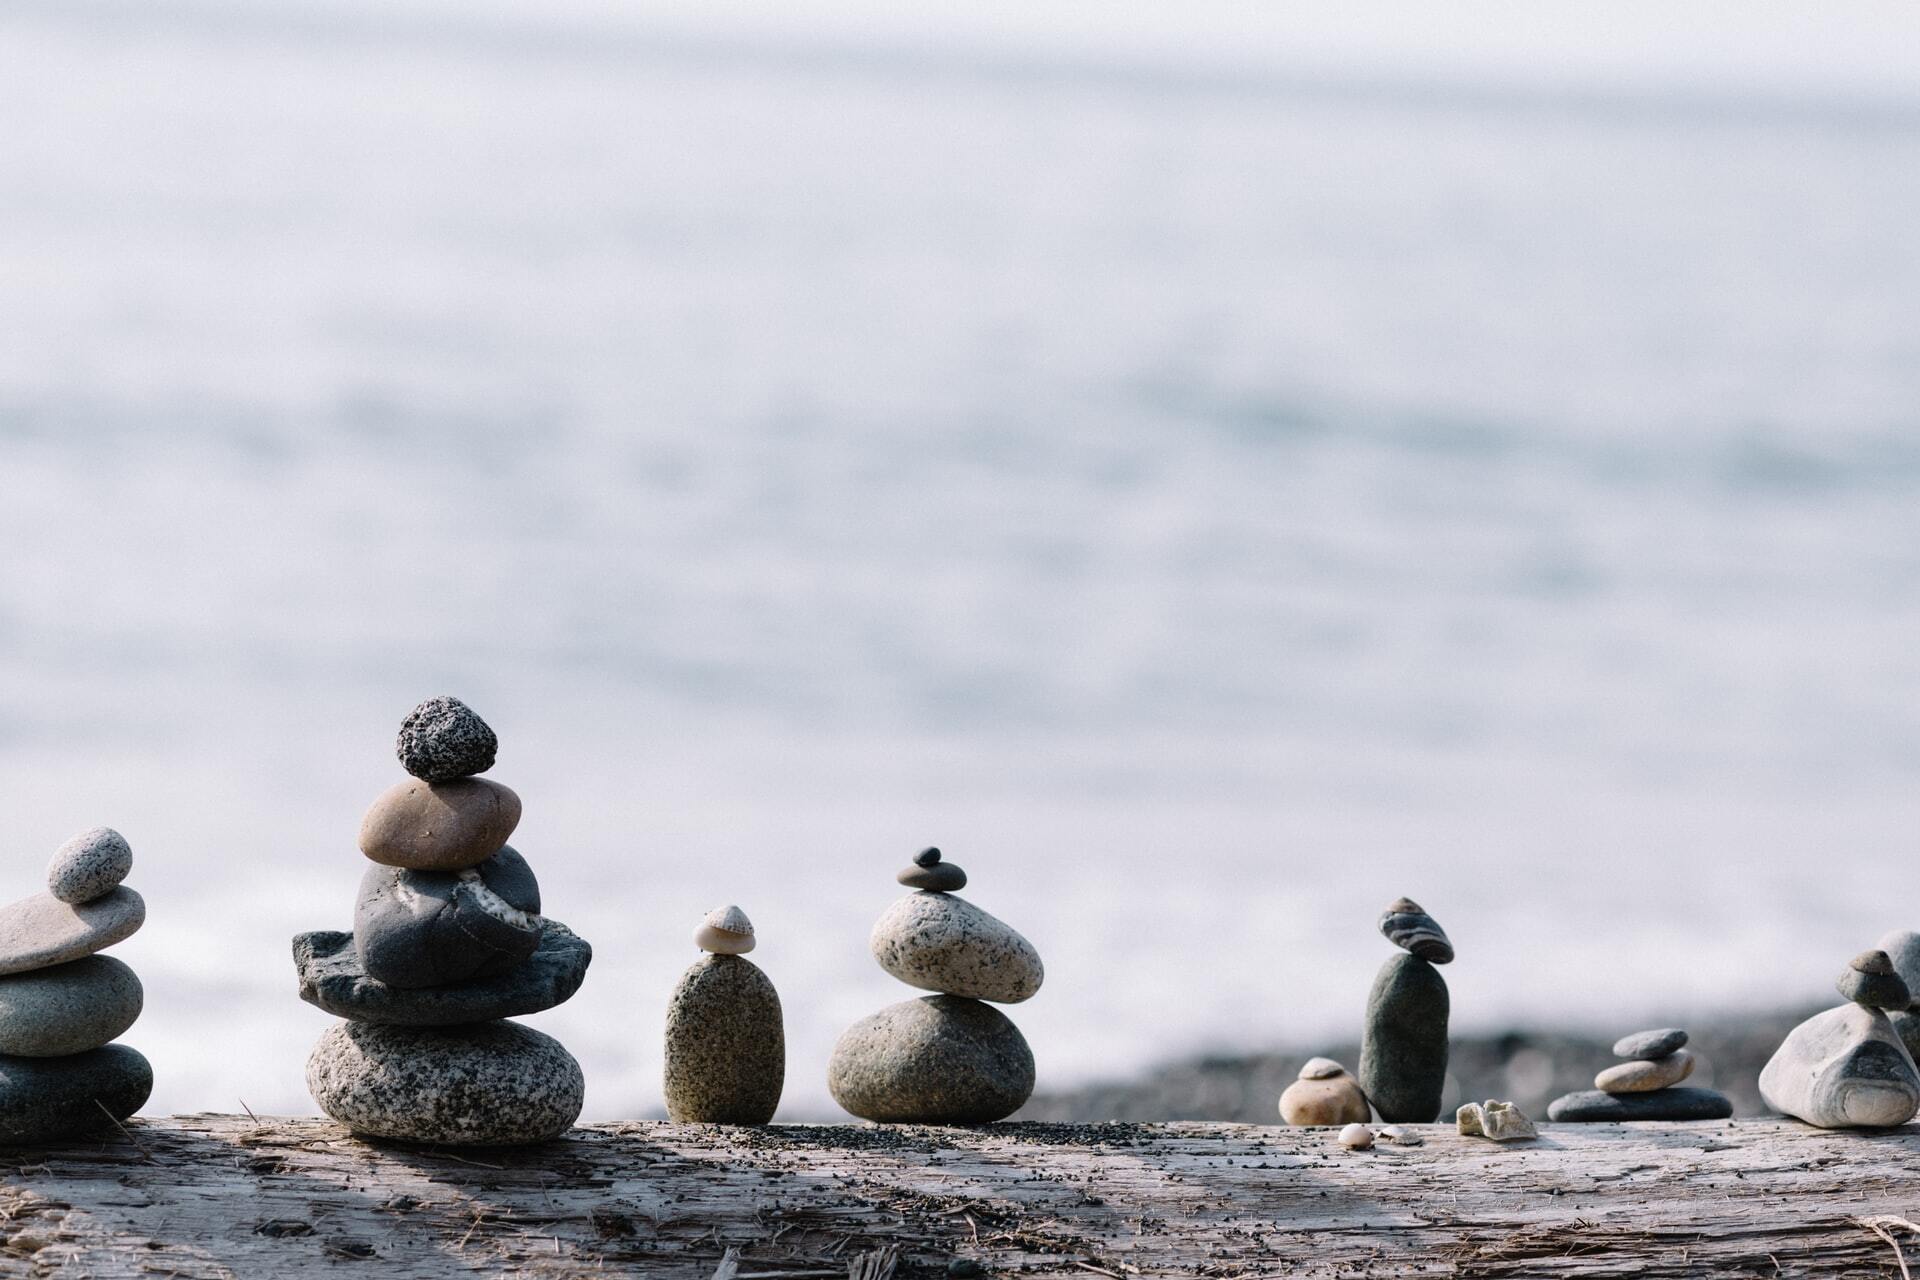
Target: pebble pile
(726,1045)
(1848,1068)
(448,942)
(949,1058)
(1324,1094)
(1644,1086)
(62,1003)
(1403,1055)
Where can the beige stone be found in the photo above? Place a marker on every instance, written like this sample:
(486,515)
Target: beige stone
(439,826)
(1646,1076)
(1325,1100)
(1356,1137)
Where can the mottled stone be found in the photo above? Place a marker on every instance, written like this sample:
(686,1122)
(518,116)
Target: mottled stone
(934,1060)
(487,1084)
(1403,1057)
(726,1058)
(442,739)
(69,1008)
(89,865)
(1646,1075)
(1332,1099)
(942,877)
(1495,1121)
(332,979)
(1845,1068)
(52,1099)
(1356,1137)
(938,942)
(439,826)
(725,932)
(1870,980)
(1594,1106)
(430,928)
(1407,925)
(41,931)
(1648,1045)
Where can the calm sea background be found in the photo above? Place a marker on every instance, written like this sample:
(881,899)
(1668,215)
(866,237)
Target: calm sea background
(1208,505)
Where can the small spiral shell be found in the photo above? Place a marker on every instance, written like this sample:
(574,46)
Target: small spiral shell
(1407,925)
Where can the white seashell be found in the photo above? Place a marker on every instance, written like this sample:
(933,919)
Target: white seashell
(726,932)
(1356,1137)
(1321,1069)
(1399,1134)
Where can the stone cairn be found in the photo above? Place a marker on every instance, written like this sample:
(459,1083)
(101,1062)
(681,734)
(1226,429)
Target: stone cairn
(1403,1053)
(1324,1095)
(1645,1086)
(946,1058)
(447,943)
(1903,948)
(1847,1068)
(726,1044)
(62,1004)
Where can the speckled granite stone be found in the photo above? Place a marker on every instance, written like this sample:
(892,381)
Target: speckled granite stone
(430,928)
(41,931)
(934,1060)
(489,1084)
(726,1044)
(51,1099)
(938,942)
(89,865)
(1403,1058)
(439,826)
(442,739)
(69,1008)
(331,978)
(1682,1103)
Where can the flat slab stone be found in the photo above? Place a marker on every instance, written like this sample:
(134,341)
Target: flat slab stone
(48,1099)
(1648,1045)
(42,930)
(331,978)
(1684,1103)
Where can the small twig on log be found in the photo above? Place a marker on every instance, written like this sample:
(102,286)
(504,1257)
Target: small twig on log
(145,1154)
(1878,1225)
(478,1164)
(729,1264)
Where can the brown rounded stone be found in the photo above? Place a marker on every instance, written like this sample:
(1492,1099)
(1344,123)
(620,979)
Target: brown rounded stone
(1328,1100)
(439,826)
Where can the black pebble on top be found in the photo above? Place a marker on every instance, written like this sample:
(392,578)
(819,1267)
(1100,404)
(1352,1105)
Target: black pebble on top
(927,857)
(442,739)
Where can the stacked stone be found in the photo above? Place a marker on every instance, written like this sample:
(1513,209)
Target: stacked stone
(62,1004)
(1903,948)
(946,1058)
(726,1056)
(1848,1068)
(1403,1054)
(448,943)
(1645,1086)
(1324,1095)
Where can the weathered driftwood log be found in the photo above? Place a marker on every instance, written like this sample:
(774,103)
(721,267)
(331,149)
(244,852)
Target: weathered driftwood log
(231,1196)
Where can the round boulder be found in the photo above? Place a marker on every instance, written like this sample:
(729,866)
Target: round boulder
(67,1009)
(934,1060)
(938,942)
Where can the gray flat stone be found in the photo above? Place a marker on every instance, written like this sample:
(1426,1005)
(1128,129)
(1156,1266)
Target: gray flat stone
(934,1060)
(490,1084)
(941,877)
(442,739)
(52,1099)
(332,979)
(1645,1046)
(938,942)
(431,928)
(67,1009)
(726,1058)
(1403,1055)
(1683,1103)
(89,865)
(42,931)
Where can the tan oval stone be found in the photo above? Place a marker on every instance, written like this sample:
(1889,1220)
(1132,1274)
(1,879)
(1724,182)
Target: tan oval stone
(439,826)
(1645,1077)
(1328,1100)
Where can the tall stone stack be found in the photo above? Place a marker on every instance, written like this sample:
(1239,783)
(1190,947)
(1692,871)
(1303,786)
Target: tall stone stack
(1848,1068)
(1403,1054)
(448,943)
(62,1004)
(948,1058)
(726,1054)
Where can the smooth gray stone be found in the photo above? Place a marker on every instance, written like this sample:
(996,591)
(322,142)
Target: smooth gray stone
(938,942)
(89,865)
(1903,949)
(41,931)
(431,928)
(941,877)
(68,1009)
(1843,1069)
(1906,1025)
(489,1084)
(934,1060)
(1870,980)
(332,979)
(52,1099)
(726,1058)
(1646,1046)
(442,739)
(1403,1055)
(1681,1103)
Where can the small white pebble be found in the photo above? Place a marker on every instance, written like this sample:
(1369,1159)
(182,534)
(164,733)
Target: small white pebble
(1356,1137)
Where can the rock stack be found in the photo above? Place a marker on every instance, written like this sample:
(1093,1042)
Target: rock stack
(1903,948)
(1644,1086)
(1847,1068)
(946,1058)
(1403,1055)
(61,1003)
(726,1044)
(447,943)
(1324,1094)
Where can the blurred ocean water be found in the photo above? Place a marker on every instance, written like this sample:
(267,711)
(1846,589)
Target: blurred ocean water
(1207,508)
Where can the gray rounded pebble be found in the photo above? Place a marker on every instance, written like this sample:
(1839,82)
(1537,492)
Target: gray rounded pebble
(488,1084)
(934,1060)
(1407,925)
(52,1099)
(726,1056)
(1681,1103)
(1870,980)
(941,877)
(1648,1045)
(1403,1054)
(431,928)
(331,978)
(69,1008)
(89,865)
(938,942)
(41,931)
(442,739)
(927,857)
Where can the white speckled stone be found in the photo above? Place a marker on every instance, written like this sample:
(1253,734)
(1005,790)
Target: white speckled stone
(938,942)
(41,931)
(1356,1137)
(89,865)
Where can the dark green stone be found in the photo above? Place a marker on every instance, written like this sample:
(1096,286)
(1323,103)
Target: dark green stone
(1403,1059)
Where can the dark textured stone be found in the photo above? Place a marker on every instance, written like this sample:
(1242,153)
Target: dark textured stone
(332,979)
(935,1060)
(1906,1024)
(1903,949)
(941,877)
(1646,1046)
(68,1009)
(1870,980)
(439,826)
(927,857)
(430,928)
(89,865)
(442,739)
(1408,926)
(1684,1103)
(50,1099)
(489,1084)
(726,1054)
(1403,1058)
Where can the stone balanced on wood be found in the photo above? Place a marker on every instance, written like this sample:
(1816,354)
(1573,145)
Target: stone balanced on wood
(447,943)
(1644,1086)
(1403,1055)
(947,1058)
(1848,1068)
(62,1004)
(726,1045)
